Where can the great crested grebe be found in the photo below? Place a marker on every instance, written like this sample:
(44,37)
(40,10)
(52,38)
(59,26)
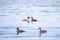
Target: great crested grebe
(19,31)
(26,20)
(33,20)
(42,31)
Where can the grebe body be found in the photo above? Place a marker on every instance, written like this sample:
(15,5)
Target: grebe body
(19,31)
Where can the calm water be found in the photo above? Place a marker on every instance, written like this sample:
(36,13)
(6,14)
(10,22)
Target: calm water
(46,11)
(32,33)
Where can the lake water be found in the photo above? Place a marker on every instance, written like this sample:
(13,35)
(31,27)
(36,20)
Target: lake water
(12,12)
(31,33)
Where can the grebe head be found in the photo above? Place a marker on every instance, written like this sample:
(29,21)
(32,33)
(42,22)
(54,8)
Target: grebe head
(17,28)
(40,28)
(28,17)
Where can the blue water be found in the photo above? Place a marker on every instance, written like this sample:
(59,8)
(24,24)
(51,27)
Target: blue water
(12,12)
(31,33)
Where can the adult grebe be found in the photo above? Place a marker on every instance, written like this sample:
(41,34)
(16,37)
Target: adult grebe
(19,31)
(26,20)
(42,31)
(33,20)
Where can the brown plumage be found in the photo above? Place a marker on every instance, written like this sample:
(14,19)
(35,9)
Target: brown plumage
(42,31)
(26,20)
(19,31)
